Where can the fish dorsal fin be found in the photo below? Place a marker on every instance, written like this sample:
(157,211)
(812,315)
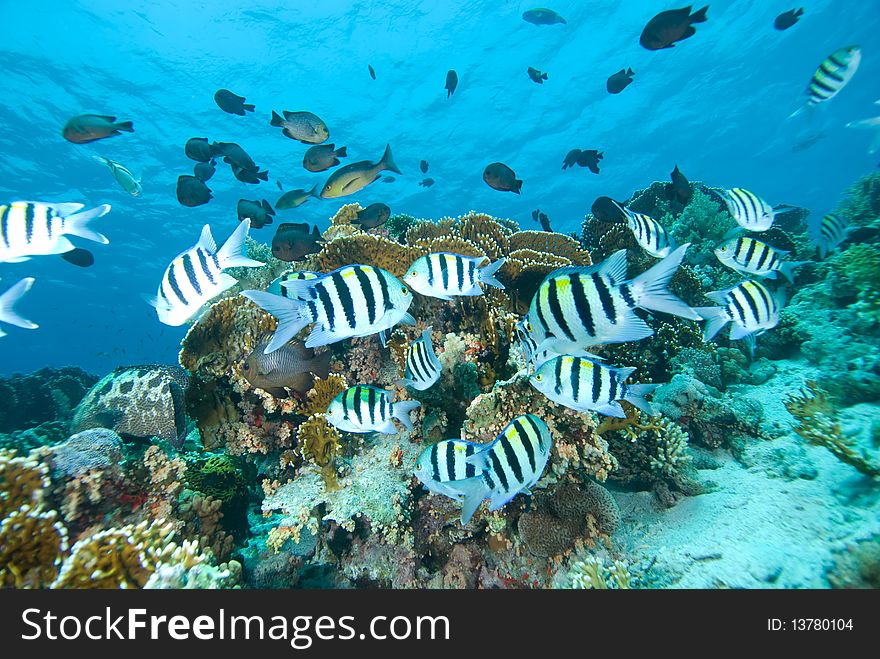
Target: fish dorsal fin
(720,297)
(206,240)
(614,267)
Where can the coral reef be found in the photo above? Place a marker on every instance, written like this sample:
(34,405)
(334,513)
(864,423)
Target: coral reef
(46,395)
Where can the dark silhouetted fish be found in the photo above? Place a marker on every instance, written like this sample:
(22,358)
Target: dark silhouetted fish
(301,126)
(260,214)
(293,242)
(250,174)
(294,198)
(451,82)
(205,170)
(278,183)
(86,128)
(293,366)
(356,176)
(680,188)
(542,218)
(501,177)
(192,191)
(233,154)
(807,142)
(590,159)
(787,18)
(231,103)
(536,75)
(571,158)
(605,209)
(388,179)
(198,149)
(667,27)
(542,17)
(423,165)
(79,256)
(619,81)
(374,215)
(426,182)
(322,157)
(372,71)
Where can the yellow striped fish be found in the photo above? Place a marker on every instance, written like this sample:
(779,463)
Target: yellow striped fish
(446,461)
(748,209)
(586,386)
(648,232)
(444,275)
(512,463)
(749,305)
(277,286)
(829,232)
(364,409)
(833,74)
(750,256)
(422,366)
(35,228)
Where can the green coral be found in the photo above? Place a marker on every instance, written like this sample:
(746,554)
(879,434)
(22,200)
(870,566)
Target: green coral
(217,476)
(862,204)
(703,223)
(398,225)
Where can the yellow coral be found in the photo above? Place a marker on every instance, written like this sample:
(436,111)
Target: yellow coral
(549,243)
(486,232)
(22,482)
(322,394)
(366,249)
(32,546)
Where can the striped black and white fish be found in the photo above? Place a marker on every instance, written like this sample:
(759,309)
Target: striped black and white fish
(829,232)
(576,307)
(444,275)
(511,463)
(8,300)
(446,461)
(748,209)
(422,366)
(196,276)
(35,228)
(363,409)
(833,74)
(586,386)
(750,256)
(750,306)
(354,300)
(277,286)
(529,346)
(648,232)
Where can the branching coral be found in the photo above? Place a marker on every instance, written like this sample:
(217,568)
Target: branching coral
(818,425)
(593,573)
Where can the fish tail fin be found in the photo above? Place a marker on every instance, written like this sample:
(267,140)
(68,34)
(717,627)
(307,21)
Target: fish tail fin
(388,161)
(517,186)
(636,396)
(700,15)
(77,224)
(650,290)
(786,269)
(544,76)
(715,318)
(125,126)
(249,107)
(487,273)
(341,152)
(276,119)
(630,72)
(474,491)
(292,316)
(402,409)
(8,300)
(264,176)
(230,255)
(799,12)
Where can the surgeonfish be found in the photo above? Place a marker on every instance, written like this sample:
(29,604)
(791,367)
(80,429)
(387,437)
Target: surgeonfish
(833,74)
(354,300)
(444,275)
(35,228)
(586,386)
(512,463)
(749,305)
(8,300)
(357,175)
(124,177)
(196,275)
(232,103)
(276,287)
(292,367)
(748,209)
(649,233)
(422,366)
(87,128)
(670,26)
(446,461)
(749,256)
(303,127)
(364,409)
(576,307)
(829,232)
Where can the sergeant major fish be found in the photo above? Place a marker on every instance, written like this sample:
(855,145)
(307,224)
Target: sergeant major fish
(585,386)
(444,275)
(363,409)
(196,275)
(33,228)
(576,307)
(649,233)
(354,300)
(358,175)
(422,366)
(748,209)
(750,256)
(9,298)
(749,305)
(829,232)
(124,177)
(276,287)
(833,74)
(512,463)
(446,461)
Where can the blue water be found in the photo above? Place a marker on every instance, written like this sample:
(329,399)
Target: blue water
(715,105)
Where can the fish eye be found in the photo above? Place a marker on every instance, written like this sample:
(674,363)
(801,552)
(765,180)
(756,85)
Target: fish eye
(418,466)
(538,377)
(528,327)
(413,275)
(404,290)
